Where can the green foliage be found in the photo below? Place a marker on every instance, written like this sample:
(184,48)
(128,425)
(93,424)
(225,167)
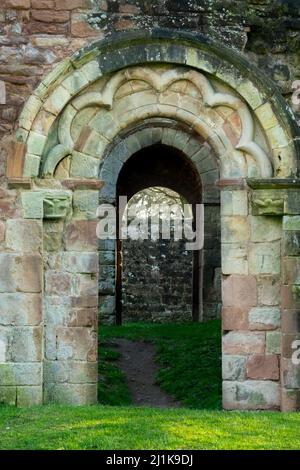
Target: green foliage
(189,358)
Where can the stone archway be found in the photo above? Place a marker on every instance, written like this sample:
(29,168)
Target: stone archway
(86,119)
(162,165)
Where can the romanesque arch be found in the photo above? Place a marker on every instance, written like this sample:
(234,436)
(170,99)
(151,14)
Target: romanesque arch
(84,121)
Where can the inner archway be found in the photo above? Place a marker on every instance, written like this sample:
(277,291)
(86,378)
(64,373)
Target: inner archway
(161,165)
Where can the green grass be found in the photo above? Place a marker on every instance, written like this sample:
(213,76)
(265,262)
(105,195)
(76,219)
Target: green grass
(112,388)
(128,428)
(189,358)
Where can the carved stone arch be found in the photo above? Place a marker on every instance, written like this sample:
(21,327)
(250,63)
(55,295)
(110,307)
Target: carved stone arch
(91,64)
(83,112)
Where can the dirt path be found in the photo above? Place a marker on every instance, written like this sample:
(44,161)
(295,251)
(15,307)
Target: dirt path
(138,364)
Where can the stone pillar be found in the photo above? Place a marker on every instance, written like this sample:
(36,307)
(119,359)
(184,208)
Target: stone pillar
(71,303)
(290,359)
(251,313)
(21,324)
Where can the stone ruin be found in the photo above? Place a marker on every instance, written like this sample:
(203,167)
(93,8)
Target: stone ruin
(84,136)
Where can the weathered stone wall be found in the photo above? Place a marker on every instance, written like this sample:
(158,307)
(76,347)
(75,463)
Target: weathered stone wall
(211,283)
(157,276)
(37,34)
(157,281)
(165,268)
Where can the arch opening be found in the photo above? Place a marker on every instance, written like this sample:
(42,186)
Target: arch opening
(165,166)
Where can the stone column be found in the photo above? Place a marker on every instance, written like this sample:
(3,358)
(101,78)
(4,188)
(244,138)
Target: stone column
(290,359)
(21,325)
(71,302)
(251,313)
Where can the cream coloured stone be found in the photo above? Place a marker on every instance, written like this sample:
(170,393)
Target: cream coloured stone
(32,165)
(29,112)
(234,258)
(273,342)
(75,82)
(265,228)
(264,258)
(266,116)
(91,70)
(84,166)
(264,318)
(36,143)
(277,137)
(250,93)
(234,203)
(57,100)
(251,395)
(234,229)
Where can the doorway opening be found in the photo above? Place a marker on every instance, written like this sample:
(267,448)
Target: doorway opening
(166,173)
(157,267)
(164,291)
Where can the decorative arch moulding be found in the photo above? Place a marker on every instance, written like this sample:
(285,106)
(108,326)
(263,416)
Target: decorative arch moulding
(128,57)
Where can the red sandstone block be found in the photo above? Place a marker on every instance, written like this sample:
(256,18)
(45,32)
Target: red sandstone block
(84,317)
(81,235)
(86,284)
(18,4)
(43,4)
(38,27)
(239,290)
(8,209)
(79,343)
(58,283)
(263,367)
(80,28)
(127,8)
(15,160)
(244,342)
(29,273)
(290,297)
(85,301)
(290,321)
(123,25)
(72,4)
(50,16)
(234,318)
(232,135)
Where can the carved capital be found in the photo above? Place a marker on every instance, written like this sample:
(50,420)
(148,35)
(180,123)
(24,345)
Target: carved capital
(56,207)
(268,206)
